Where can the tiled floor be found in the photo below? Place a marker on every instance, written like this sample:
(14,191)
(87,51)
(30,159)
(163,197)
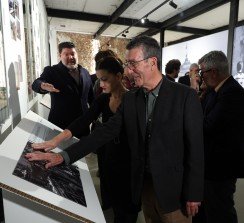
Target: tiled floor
(92,164)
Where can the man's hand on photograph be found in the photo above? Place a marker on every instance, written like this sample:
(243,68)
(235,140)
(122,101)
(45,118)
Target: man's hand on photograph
(52,159)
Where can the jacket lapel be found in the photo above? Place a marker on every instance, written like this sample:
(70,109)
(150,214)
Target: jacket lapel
(141,112)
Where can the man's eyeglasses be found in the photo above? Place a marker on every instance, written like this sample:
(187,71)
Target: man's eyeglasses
(133,64)
(201,72)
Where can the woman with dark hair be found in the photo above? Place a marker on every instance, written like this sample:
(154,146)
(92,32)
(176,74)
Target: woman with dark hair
(115,173)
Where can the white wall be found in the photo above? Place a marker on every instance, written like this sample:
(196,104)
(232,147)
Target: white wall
(14,49)
(15,55)
(195,49)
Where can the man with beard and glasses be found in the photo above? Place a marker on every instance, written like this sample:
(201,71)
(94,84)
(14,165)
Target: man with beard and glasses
(69,85)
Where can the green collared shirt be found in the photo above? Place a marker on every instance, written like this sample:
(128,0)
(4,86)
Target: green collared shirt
(151,97)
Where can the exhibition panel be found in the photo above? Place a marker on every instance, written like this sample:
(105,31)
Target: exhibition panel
(67,189)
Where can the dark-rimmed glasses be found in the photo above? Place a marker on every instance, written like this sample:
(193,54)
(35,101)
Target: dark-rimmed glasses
(201,72)
(133,64)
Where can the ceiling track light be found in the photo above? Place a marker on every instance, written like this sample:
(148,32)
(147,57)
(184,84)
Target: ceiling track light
(144,20)
(172,4)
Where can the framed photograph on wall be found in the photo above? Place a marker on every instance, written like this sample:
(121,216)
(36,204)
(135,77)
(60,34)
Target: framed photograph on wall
(4,110)
(238,56)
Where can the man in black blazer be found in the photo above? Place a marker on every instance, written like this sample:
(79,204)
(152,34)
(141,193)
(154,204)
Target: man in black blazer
(163,123)
(69,85)
(223,137)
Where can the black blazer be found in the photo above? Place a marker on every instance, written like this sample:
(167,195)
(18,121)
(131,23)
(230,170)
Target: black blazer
(71,101)
(224,131)
(175,149)
(185,80)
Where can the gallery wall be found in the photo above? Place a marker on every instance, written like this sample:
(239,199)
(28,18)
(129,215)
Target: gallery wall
(86,46)
(15,63)
(191,51)
(14,60)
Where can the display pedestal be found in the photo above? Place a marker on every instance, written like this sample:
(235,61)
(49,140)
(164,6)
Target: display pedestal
(32,194)
(239,199)
(19,209)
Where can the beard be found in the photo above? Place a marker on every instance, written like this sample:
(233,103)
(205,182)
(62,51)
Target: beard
(72,64)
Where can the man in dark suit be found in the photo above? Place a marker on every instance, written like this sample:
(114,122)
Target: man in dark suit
(69,85)
(172,69)
(223,137)
(163,123)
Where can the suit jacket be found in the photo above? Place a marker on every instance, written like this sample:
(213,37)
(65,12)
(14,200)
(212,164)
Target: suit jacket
(71,101)
(175,148)
(224,131)
(185,80)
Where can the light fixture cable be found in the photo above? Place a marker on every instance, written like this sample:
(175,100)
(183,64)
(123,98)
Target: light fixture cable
(145,16)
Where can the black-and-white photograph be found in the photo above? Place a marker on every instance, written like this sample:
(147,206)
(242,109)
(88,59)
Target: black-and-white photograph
(238,56)
(63,180)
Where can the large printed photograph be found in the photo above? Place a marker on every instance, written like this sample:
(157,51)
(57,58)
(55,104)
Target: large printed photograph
(238,56)
(63,180)
(4,111)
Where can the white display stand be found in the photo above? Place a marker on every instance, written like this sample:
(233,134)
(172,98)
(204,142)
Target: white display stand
(27,202)
(46,101)
(239,199)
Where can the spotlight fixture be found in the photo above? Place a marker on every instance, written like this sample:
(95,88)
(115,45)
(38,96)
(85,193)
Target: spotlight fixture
(127,31)
(123,35)
(144,20)
(172,4)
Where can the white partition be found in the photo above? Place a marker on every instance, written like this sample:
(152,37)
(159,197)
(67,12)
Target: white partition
(239,199)
(28,200)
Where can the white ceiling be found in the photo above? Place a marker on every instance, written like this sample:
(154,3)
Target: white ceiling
(215,18)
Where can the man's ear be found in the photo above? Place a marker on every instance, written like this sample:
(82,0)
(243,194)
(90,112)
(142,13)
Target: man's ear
(153,61)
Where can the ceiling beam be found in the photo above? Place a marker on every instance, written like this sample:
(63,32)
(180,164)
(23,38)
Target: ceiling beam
(126,4)
(58,13)
(182,40)
(222,28)
(190,13)
(195,31)
(98,18)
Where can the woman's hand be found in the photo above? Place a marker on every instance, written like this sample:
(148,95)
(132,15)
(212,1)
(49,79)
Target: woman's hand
(54,142)
(46,146)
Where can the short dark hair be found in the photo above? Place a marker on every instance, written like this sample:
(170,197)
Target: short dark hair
(111,65)
(63,45)
(172,65)
(150,47)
